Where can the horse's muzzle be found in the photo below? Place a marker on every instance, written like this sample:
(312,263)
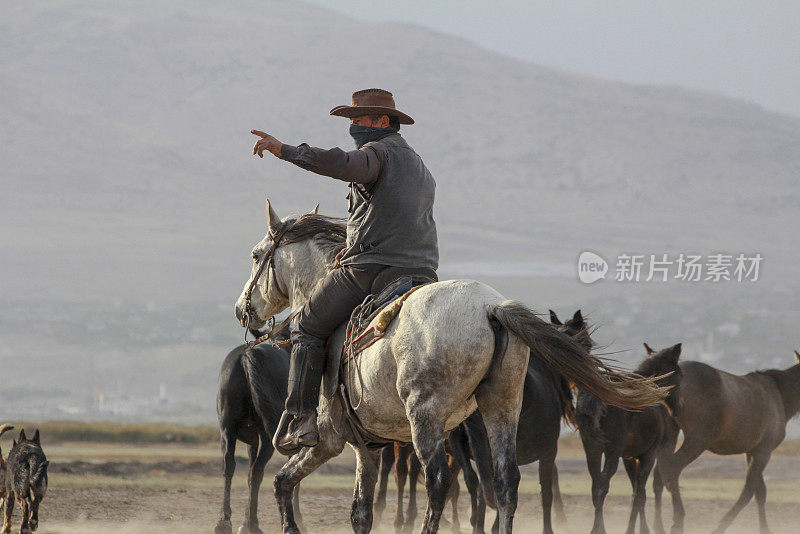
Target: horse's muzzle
(248,320)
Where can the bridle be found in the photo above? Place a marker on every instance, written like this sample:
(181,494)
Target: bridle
(268,261)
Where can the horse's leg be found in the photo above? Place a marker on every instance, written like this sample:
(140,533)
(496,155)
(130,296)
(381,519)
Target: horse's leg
(561,516)
(761,500)
(228,444)
(298,517)
(400,476)
(594,462)
(387,461)
(756,463)
(455,489)
(645,467)
(610,465)
(631,469)
(638,470)
(459,446)
(427,431)
(499,399)
(414,468)
(690,450)
(364,491)
(298,467)
(658,490)
(259,453)
(546,466)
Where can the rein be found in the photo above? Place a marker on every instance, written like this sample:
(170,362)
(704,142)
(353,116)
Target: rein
(274,330)
(267,260)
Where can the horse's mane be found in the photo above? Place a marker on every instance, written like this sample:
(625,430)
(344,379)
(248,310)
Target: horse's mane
(786,380)
(328,233)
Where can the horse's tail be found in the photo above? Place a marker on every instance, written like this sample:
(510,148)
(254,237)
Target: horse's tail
(564,355)
(267,393)
(589,410)
(3,429)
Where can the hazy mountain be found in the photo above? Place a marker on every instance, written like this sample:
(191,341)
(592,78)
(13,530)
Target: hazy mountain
(130,197)
(127,171)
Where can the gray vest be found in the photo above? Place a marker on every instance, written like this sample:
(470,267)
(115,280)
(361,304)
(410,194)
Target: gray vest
(391,220)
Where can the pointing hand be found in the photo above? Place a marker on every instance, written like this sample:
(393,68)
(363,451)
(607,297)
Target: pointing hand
(267,142)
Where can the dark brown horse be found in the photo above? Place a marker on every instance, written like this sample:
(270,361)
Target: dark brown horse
(407,468)
(729,414)
(609,433)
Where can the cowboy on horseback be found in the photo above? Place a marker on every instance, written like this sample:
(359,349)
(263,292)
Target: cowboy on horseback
(390,229)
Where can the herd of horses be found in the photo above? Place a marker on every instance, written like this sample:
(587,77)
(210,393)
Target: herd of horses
(720,412)
(715,411)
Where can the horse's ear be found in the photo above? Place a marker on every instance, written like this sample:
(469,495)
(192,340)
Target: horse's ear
(35,437)
(797,355)
(554,318)
(648,349)
(273,221)
(22,435)
(315,210)
(578,317)
(675,353)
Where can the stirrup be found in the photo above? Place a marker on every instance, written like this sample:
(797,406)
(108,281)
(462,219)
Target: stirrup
(280,433)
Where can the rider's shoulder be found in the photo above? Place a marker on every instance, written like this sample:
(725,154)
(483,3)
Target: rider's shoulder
(379,147)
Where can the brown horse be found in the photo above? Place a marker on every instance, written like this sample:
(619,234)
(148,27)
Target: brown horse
(729,414)
(407,468)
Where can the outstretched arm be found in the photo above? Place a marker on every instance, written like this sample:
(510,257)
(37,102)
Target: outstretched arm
(360,166)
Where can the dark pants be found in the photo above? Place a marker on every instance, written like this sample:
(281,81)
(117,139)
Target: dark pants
(330,305)
(333,301)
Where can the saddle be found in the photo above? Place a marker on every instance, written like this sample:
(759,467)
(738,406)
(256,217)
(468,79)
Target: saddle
(369,321)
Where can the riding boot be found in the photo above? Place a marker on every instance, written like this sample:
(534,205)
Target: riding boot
(305,374)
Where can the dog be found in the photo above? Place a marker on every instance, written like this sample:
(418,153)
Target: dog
(3,429)
(24,480)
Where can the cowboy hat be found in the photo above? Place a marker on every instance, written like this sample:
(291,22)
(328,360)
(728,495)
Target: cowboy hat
(371,102)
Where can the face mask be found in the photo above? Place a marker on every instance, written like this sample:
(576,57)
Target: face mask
(364,134)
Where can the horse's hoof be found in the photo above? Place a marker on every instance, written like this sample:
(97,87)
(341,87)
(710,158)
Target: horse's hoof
(244,529)
(223,527)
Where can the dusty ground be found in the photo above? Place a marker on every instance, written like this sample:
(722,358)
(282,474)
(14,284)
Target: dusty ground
(130,489)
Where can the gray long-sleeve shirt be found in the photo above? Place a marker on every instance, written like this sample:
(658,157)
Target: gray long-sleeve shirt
(360,166)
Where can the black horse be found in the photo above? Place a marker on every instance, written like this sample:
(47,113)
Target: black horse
(252,393)
(546,400)
(639,438)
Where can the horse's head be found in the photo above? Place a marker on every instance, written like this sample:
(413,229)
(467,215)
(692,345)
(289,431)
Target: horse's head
(663,362)
(577,328)
(295,254)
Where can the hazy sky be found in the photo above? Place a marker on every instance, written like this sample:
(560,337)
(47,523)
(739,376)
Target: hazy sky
(746,49)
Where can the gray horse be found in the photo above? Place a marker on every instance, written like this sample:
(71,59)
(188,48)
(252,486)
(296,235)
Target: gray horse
(729,414)
(437,363)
